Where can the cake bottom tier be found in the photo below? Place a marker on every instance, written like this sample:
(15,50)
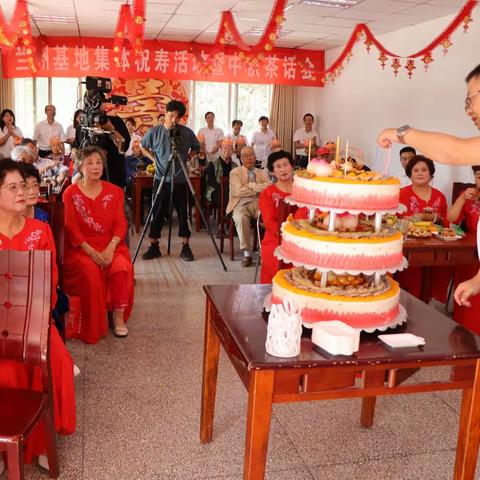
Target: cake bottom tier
(358,312)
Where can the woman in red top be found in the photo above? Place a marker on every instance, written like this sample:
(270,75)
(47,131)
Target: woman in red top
(18,232)
(281,165)
(429,204)
(467,208)
(97,265)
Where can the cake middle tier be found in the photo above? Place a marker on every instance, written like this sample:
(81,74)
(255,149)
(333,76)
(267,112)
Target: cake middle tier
(305,245)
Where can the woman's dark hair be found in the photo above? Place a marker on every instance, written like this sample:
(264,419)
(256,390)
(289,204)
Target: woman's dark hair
(209,113)
(237,122)
(8,165)
(176,106)
(25,141)
(75,115)
(30,171)
(274,156)
(4,112)
(417,159)
(473,74)
(131,120)
(263,117)
(476,168)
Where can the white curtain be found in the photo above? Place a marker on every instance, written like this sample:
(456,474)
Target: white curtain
(282,114)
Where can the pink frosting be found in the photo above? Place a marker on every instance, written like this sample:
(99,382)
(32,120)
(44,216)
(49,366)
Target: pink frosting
(326,200)
(336,261)
(360,320)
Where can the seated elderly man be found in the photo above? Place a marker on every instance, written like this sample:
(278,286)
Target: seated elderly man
(246,182)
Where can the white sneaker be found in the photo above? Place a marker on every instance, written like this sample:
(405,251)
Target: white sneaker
(43,461)
(76,370)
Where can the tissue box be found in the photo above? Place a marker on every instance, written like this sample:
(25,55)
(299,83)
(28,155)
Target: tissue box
(336,337)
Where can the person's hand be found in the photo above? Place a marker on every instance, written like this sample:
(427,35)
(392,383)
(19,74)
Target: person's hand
(96,256)
(107,254)
(470,193)
(387,137)
(10,129)
(466,290)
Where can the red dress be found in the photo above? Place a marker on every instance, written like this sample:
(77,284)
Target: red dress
(268,204)
(96,222)
(411,279)
(468,316)
(37,235)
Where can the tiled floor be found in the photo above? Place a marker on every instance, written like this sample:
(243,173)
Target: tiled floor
(138,403)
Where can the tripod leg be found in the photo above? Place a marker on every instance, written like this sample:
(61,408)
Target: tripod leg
(170,217)
(199,207)
(150,213)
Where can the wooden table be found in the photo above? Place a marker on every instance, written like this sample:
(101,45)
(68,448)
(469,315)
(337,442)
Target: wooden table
(433,252)
(142,180)
(234,320)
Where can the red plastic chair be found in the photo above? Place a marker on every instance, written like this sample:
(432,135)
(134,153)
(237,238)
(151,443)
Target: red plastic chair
(25,288)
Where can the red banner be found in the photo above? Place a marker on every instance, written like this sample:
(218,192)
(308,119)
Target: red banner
(73,57)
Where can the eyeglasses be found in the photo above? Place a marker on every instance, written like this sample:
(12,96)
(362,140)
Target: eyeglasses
(15,187)
(468,100)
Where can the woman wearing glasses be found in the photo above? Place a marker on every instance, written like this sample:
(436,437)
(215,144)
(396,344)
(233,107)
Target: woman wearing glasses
(18,232)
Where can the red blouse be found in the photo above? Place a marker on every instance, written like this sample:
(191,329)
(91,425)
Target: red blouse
(471,214)
(437,202)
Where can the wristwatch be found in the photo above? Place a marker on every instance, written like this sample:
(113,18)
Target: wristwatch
(401,132)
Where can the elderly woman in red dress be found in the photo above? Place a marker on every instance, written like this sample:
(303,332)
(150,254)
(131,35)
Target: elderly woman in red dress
(467,208)
(428,204)
(18,232)
(279,163)
(97,265)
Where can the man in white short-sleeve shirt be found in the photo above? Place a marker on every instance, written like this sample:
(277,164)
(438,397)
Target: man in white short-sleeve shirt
(46,130)
(213,137)
(302,139)
(262,142)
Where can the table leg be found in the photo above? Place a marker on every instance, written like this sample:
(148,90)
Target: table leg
(426,291)
(260,396)
(138,204)
(371,379)
(211,353)
(469,430)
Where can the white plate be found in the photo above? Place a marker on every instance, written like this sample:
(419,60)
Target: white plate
(449,239)
(401,340)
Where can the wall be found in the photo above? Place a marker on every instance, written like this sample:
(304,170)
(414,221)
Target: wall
(366,99)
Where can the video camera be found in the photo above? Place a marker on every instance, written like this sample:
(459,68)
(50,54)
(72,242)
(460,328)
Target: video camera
(97,88)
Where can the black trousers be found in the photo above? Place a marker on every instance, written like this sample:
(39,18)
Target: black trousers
(160,214)
(44,153)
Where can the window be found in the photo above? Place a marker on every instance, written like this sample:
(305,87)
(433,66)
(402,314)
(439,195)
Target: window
(245,102)
(32,94)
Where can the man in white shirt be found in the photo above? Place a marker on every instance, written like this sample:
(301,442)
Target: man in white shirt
(235,136)
(46,130)
(302,139)
(406,154)
(213,137)
(262,141)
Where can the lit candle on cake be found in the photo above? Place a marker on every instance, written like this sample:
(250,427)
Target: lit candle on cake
(337,152)
(346,160)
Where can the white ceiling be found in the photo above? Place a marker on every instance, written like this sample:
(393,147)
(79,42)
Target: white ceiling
(193,20)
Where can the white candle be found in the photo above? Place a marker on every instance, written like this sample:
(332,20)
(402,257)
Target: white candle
(346,159)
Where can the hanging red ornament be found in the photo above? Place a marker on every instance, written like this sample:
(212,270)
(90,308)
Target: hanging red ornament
(410,67)
(446,44)
(466,21)
(368,44)
(396,65)
(383,60)
(348,57)
(427,59)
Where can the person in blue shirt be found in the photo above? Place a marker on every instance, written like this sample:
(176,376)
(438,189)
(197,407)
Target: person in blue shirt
(156,145)
(32,194)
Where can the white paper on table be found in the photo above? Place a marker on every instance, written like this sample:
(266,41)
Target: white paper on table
(400,340)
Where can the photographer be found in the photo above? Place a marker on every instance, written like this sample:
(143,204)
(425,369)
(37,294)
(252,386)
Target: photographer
(157,145)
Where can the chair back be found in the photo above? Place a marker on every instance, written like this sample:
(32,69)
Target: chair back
(25,295)
(224,193)
(66,183)
(284,210)
(458,188)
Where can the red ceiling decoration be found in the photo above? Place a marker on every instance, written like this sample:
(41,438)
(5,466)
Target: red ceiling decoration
(362,32)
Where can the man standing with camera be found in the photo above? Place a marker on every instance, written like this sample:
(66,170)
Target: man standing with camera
(157,145)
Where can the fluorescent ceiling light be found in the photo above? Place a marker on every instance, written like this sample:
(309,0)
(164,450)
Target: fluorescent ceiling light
(258,32)
(329,3)
(53,18)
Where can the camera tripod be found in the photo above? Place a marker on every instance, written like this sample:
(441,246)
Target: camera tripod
(170,167)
